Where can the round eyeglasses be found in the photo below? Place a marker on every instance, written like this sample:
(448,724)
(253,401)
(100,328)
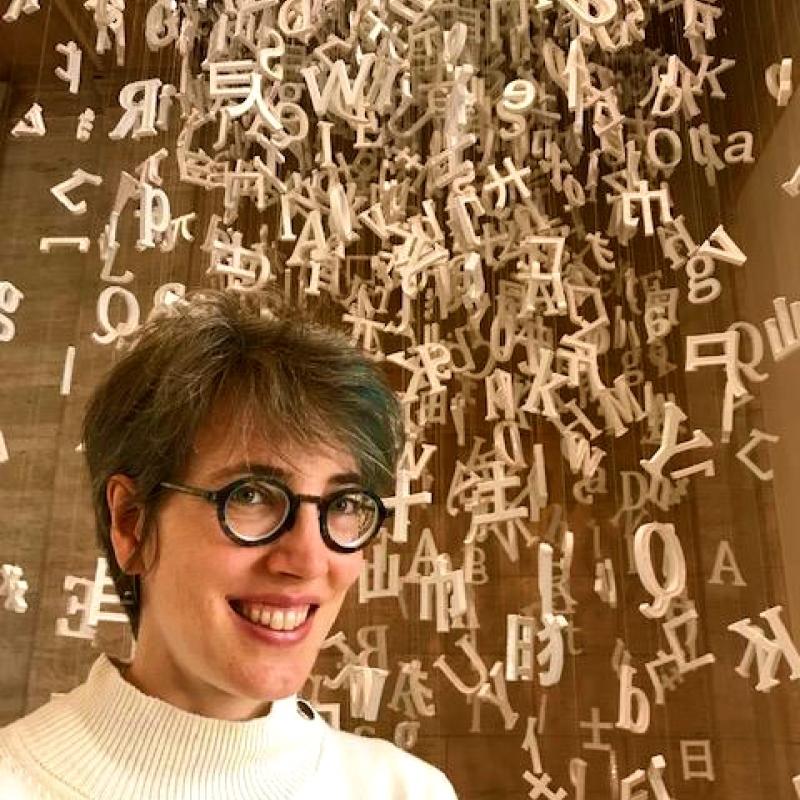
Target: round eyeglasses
(256,510)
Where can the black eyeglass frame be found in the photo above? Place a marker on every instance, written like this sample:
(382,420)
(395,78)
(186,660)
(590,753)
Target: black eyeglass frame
(220,498)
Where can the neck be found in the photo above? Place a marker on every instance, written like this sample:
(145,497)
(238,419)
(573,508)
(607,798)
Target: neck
(108,733)
(190,693)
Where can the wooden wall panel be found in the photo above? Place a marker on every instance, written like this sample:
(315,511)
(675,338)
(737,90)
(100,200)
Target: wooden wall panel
(47,522)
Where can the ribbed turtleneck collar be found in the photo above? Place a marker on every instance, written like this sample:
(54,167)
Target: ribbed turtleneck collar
(109,741)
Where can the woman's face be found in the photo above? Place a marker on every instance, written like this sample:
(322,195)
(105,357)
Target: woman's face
(193,650)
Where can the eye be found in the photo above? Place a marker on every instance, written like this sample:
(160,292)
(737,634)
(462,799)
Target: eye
(347,504)
(247,495)
(256,493)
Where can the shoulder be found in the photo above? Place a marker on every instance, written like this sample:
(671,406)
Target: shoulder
(22,776)
(382,769)
(14,784)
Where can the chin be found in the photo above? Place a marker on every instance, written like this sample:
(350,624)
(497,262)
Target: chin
(275,683)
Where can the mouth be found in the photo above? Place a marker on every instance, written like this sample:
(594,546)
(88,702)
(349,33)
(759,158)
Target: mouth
(272,618)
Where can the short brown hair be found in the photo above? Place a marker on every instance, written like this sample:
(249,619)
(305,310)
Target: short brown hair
(295,379)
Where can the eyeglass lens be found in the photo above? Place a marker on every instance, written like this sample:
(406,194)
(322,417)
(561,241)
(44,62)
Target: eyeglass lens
(257,508)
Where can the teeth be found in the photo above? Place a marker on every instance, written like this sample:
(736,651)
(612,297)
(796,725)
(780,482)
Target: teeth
(276,619)
(265,618)
(273,619)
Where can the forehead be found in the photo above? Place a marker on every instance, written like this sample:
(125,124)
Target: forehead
(222,443)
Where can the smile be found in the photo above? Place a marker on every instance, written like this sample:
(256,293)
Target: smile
(279,619)
(270,618)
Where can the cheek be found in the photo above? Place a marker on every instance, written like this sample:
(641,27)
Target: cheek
(342,574)
(191,551)
(346,569)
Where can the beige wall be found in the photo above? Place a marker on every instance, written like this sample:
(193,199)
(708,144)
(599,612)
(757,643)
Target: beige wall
(767,228)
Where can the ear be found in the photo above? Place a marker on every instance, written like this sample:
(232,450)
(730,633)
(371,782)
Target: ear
(126,519)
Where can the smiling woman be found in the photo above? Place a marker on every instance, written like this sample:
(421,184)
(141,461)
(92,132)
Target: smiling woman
(237,457)
(271,376)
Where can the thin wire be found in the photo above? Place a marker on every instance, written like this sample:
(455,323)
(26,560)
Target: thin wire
(45,30)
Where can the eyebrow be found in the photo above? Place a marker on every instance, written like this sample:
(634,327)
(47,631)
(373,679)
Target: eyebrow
(272,471)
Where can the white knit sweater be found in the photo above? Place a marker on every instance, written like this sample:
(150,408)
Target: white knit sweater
(106,740)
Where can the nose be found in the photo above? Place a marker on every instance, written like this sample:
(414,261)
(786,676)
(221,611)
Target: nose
(301,549)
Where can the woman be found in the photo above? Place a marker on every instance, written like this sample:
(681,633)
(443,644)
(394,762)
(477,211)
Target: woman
(236,457)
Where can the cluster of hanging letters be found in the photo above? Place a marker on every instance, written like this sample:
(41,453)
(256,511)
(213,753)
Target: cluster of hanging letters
(469,181)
